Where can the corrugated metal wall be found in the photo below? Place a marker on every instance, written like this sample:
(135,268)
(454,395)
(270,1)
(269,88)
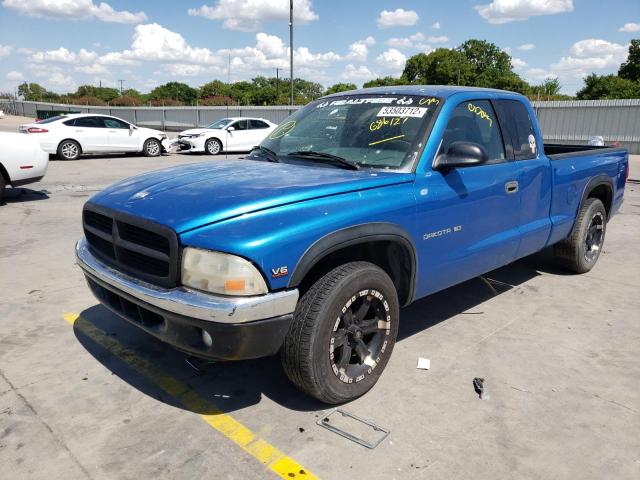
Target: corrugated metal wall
(561,122)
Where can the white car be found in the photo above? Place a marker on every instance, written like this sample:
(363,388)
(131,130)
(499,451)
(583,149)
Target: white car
(235,134)
(69,136)
(22,161)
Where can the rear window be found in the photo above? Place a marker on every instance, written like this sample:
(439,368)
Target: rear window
(51,119)
(518,128)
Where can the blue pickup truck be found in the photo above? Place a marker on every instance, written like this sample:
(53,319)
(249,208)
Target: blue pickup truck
(358,204)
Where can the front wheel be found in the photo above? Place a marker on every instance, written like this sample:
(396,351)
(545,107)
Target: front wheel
(343,333)
(581,250)
(213,146)
(152,148)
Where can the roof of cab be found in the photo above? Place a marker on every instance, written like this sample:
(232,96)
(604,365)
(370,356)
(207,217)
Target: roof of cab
(442,91)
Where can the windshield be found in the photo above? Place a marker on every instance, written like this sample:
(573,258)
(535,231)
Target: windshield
(379,131)
(221,123)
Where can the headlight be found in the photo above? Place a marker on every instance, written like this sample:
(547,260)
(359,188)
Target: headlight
(217,272)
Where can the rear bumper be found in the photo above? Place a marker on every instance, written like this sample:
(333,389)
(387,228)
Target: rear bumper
(223,328)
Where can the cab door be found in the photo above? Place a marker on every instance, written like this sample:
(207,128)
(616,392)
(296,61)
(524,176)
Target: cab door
(240,138)
(122,138)
(467,217)
(524,144)
(91,133)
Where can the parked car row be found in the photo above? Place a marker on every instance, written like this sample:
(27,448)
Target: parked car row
(69,136)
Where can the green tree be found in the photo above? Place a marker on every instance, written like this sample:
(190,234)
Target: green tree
(384,82)
(216,88)
(443,66)
(105,94)
(34,92)
(340,87)
(598,87)
(630,70)
(483,57)
(175,91)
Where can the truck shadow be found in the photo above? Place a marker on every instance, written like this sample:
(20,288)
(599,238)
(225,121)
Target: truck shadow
(20,195)
(149,365)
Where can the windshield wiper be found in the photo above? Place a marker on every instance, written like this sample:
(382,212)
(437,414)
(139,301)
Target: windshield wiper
(270,154)
(328,156)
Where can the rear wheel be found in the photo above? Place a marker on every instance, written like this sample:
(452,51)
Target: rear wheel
(343,333)
(2,188)
(581,250)
(152,148)
(213,146)
(69,150)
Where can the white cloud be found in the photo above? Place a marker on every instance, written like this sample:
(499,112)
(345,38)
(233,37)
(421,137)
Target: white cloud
(436,26)
(356,74)
(62,55)
(591,54)
(359,50)
(185,70)
(247,15)
(417,41)
(397,18)
(95,69)
(630,27)
(391,60)
(518,64)
(538,75)
(526,46)
(5,50)
(406,42)
(504,11)
(14,76)
(74,10)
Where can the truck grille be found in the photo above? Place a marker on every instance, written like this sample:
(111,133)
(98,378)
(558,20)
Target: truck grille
(133,245)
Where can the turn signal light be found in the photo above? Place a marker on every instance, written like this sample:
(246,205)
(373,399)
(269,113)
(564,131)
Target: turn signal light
(234,285)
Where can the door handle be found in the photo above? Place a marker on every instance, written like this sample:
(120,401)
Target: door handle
(112,131)
(511,187)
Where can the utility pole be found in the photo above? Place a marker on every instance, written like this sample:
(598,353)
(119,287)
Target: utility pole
(291,50)
(121,82)
(277,84)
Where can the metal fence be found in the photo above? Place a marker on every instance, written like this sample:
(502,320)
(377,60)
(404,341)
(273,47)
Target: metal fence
(561,121)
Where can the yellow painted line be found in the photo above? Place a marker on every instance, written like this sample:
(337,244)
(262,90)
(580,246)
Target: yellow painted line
(386,140)
(258,448)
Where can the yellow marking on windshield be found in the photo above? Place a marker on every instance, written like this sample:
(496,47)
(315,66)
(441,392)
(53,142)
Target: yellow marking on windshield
(385,122)
(283,130)
(386,140)
(428,101)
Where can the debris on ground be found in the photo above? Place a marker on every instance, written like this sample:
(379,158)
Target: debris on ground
(423,363)
(478,386)
(360,430)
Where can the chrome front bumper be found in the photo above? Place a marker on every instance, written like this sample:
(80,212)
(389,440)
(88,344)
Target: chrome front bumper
(187,302)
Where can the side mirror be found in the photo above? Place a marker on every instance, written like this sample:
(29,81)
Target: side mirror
(230,129)
(132,128)
(461,154)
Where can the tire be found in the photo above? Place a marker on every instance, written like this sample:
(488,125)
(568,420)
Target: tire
(3,185)
(152,148)
(213,146)
(69,150)
(581,250)
(315,349)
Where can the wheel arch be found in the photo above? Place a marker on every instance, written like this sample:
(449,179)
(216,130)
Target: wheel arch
(600,187)
(73,140)
(5,174)
(213,137)
(384,244)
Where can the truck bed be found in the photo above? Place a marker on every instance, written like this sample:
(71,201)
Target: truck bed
(556,151)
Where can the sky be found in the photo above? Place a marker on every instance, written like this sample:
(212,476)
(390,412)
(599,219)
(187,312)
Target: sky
(62,44)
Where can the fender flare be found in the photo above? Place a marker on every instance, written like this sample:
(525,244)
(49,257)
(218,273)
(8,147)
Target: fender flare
(598,180)
(350,236)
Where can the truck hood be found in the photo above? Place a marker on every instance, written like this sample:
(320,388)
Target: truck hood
(193,196)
